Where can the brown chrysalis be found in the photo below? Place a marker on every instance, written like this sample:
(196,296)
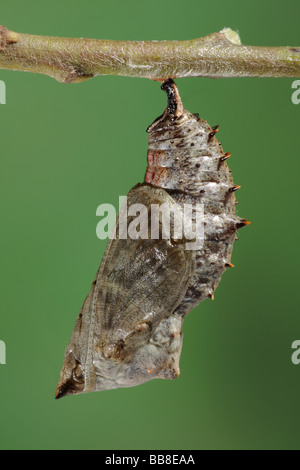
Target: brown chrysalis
(129,327)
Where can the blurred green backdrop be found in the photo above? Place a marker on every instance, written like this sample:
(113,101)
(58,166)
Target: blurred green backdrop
(65,149)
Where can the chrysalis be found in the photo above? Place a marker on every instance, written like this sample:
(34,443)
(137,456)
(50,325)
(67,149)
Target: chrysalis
(129,328)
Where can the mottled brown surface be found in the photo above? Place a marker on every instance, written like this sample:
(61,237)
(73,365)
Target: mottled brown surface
(187,161)
(129,328)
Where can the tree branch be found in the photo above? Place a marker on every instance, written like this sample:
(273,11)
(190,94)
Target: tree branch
(219,55)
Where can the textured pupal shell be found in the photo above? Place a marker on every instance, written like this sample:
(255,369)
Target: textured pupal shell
(185,159)
(129,328)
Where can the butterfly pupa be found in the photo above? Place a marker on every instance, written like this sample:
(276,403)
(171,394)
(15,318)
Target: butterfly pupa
(129,328)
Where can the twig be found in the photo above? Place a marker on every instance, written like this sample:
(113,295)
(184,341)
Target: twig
(219,55)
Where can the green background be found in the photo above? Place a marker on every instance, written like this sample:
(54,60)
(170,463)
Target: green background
(65,149)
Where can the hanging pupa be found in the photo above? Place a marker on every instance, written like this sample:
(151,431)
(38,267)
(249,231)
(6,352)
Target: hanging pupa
(129,328)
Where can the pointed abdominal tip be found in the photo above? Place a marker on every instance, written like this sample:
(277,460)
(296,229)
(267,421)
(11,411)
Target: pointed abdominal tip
(175,106)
